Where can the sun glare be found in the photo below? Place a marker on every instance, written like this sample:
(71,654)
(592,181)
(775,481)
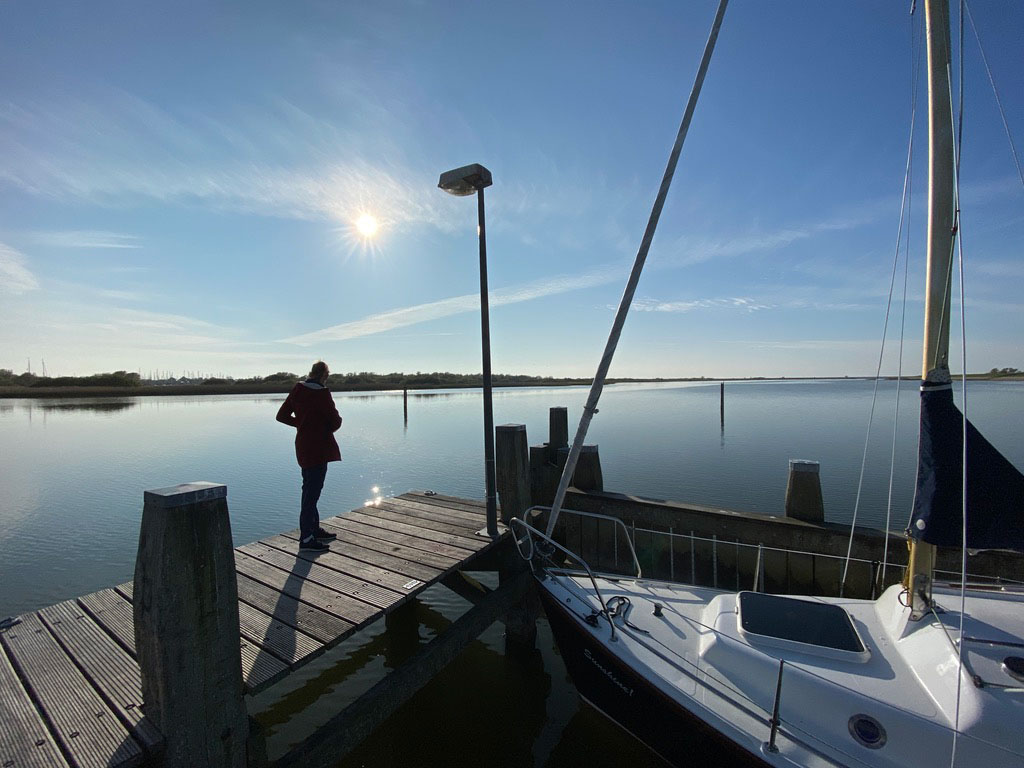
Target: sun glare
(367,225)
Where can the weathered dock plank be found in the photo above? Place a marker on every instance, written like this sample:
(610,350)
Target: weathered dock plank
(284,642)
(88,732)
(349,532)
(113,612)
(472,520)
(388,561)
(318,573)
(440,499)
(376,525)
(286,609)
(110,669)
(25,741)
(294,583)
(451,555)
(408,516)
(366,572)
(259,669)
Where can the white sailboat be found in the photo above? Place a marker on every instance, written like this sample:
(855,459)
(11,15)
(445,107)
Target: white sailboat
(926,675)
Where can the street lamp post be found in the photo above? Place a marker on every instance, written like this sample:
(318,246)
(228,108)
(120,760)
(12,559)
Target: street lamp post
(461,182)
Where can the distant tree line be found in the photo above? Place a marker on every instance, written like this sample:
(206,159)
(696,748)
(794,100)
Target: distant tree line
(363,380)
(115,379)
(370,380)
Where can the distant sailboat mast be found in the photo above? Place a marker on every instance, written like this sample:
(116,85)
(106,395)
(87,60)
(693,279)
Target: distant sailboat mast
(941,240)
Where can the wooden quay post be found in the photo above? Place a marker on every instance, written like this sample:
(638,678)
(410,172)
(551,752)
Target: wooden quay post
(513,470)
(186,626)
(803,492)
(513,481)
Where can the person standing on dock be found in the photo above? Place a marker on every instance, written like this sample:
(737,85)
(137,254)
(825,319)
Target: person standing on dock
(310,408)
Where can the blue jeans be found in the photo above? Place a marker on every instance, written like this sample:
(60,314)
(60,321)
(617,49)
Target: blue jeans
(312,485)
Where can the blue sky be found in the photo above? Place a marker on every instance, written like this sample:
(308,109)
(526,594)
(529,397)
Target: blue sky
(179,184)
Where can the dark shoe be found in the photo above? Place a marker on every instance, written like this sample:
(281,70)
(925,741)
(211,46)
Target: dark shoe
(325,535)
(313,544)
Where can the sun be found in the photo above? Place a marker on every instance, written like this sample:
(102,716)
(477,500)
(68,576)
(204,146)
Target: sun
(367,226)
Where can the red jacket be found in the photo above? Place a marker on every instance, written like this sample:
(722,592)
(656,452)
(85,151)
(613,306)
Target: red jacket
(309,408)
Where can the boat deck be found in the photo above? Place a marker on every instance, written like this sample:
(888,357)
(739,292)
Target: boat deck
(70,687)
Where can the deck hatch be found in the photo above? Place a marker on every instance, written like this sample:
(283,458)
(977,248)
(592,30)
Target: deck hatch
(801,621)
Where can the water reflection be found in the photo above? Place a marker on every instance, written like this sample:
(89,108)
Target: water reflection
(390,394)
(98,406)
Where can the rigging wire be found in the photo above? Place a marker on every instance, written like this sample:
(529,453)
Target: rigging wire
(915,77)
(995,91)
(963,385)
(881,351)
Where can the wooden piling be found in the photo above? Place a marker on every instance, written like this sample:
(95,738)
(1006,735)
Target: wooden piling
(587,476)
(185,603)
(558,428)
(512,470)
(803,492)
(721,402)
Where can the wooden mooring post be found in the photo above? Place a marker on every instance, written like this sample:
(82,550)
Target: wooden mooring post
(185,607)
(512,470)
(513,480)
(548,460)
(803,492)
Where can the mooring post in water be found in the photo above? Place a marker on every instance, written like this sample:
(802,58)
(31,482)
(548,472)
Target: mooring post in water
(185,601)
(803,492)
(721,405)
(405,405)
(512,470)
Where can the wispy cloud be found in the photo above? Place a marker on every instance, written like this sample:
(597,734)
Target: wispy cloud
(654,305)
(1002,269)
(688,249)
(812,344)
(434,310)
(114,148)
(15,277)
(87,239)
(109,293)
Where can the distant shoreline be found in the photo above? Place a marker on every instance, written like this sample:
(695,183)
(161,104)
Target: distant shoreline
(281,388)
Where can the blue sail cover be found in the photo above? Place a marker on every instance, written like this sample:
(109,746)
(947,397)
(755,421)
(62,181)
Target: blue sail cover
(995,488)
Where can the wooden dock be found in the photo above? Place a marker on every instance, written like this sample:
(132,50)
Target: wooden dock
(70,684)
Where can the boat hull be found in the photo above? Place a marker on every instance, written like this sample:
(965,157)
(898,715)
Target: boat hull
(669,729)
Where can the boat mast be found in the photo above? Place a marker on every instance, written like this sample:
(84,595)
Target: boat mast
(941,238)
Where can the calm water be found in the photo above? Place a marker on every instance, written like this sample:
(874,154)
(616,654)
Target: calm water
(74,472)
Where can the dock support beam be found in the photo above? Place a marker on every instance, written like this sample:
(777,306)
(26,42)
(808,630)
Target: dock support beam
(350,726)
(185,602)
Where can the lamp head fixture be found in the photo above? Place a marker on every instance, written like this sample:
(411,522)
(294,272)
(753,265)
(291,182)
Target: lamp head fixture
(465,180)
